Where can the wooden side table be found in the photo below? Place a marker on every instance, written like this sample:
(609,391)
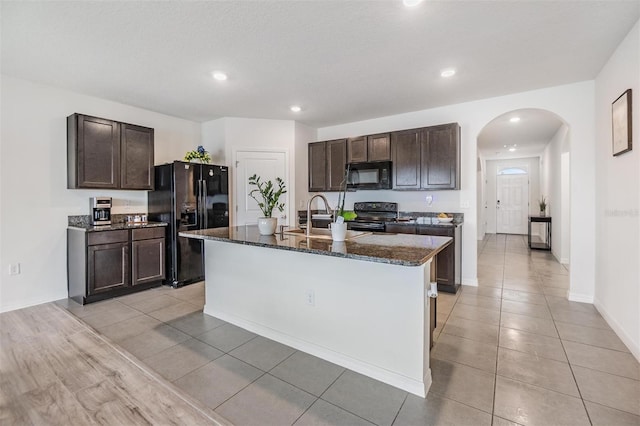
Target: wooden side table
(546,243)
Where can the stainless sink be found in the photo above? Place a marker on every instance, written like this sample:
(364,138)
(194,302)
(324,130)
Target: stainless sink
(325,234)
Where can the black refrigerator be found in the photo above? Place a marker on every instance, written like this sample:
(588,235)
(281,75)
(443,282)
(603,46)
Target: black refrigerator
(188,196)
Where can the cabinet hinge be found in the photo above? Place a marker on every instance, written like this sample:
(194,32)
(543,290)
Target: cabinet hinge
(237,162)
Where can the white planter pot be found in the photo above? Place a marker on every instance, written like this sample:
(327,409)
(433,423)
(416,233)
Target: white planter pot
(267,225)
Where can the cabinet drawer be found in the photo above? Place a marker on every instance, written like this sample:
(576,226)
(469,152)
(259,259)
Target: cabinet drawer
(107,237)
(400,229)
(440,232)
(148,233)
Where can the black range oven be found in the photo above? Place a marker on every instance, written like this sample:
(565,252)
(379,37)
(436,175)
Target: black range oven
(373,215)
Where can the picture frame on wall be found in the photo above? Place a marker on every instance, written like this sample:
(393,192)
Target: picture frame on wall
(621,123)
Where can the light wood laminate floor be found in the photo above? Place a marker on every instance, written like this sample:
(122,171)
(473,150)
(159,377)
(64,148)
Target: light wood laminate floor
(55,370)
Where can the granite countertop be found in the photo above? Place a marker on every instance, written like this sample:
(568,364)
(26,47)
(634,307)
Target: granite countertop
(413,222)
(396,249)
(116,226)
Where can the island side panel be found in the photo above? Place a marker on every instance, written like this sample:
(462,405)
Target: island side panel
(370,317)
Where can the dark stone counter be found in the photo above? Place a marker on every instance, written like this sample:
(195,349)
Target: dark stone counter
(118,223)
(396,249)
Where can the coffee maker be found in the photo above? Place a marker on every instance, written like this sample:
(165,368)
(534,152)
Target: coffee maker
(100,210)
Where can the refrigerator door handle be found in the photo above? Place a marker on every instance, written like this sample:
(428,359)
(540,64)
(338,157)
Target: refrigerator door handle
(199,204)
(205,220)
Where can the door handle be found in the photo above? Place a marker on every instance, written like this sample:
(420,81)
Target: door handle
(204,204)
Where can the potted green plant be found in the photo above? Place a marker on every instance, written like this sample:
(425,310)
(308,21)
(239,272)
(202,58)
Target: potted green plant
(543,206)
(199,155)
(269,197)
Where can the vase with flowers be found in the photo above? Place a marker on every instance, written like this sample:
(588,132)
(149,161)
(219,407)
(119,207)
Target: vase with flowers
(199,155)
(267,196)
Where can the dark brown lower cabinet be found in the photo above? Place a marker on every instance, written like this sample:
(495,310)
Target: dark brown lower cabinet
(108,267)
(147,257)
(106,264)
(448,261)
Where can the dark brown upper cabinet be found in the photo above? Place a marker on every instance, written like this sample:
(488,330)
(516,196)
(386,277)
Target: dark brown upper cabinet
(103,153)
(426,158)
(317,166)
(336,161)
(327,162)
(369,148)
(93,152)
(379,147)
(405,156)
(440,157)
(136,157)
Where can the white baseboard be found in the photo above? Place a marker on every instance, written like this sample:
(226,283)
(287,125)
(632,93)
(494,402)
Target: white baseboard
(32,302)
(634,347)
(578,297)
(564,260)
(402,382)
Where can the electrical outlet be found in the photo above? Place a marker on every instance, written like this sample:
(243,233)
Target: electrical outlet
(14,269)
(429,199)
(310,297)
(464,204)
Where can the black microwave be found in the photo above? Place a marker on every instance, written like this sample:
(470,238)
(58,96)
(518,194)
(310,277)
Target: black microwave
(374,175)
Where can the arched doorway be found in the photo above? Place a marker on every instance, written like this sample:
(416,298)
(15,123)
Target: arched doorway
(524,155)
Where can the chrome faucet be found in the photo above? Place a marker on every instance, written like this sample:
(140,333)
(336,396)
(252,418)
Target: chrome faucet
(326,207)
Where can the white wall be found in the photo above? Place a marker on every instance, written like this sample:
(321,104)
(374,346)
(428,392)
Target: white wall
(213,140)
(551,180)
(303,135)
(34,200)
(565,215)
(481,197)
(228,135)
(531,165)
(617,189)
(574,103)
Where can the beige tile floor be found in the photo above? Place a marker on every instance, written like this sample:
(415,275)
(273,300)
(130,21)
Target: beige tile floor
(511,351)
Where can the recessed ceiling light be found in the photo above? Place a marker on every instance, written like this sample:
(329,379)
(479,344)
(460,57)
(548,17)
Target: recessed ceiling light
(514,119)
(219,75)
(450,72)
(511,149)
(295,108)
(411,3)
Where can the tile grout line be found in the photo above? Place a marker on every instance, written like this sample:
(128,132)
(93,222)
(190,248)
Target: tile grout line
(495,376)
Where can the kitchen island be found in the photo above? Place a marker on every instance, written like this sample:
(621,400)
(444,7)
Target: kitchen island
(361,304)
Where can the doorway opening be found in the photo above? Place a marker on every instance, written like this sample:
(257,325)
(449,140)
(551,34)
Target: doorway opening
(523,157)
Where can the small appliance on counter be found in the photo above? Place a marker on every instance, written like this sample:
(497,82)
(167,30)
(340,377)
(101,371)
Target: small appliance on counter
(138,219)
(100,210)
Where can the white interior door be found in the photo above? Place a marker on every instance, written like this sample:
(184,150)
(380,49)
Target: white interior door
(267,165)
(512,205)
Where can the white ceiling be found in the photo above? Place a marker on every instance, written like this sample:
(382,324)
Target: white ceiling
(342,61)
(531,134)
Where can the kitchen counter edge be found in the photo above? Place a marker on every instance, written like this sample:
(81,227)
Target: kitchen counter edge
(117,226)
(371,248)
